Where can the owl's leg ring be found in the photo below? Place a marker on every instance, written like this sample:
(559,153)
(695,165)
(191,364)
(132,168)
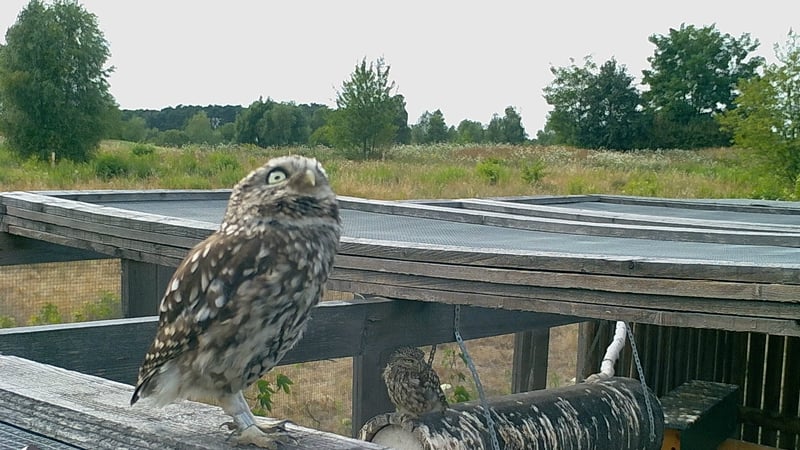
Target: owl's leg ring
(248,430)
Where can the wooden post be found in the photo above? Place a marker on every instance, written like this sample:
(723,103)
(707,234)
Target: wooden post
(143,285)
(369,392)
(531,349)
(588,361)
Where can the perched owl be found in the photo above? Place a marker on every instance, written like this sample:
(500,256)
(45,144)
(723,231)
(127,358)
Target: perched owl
(241,298)
(412,384)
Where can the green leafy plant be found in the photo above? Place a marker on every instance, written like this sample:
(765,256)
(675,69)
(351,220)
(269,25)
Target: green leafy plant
(48,314)
(7,322)
(460,394)
(266,389)
(491,170)
(108,307)
(451,360)
(533,171)
(110,165)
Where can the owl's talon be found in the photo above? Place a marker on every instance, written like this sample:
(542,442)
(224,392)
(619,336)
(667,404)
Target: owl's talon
(272,426)
(231,426)
(268,438)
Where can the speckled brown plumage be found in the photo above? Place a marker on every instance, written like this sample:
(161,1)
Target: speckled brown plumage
(412,384)
(241,298)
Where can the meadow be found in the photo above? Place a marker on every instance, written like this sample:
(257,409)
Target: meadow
(48,293)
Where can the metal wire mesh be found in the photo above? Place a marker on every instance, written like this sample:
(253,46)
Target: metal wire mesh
(40,294)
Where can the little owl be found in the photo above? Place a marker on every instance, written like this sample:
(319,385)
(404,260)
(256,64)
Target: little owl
(241,298)
(412,384)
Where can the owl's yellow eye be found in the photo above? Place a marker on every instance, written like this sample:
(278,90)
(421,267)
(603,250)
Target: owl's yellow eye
(275,176)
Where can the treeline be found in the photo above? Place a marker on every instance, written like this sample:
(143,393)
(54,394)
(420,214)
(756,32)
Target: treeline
(703,88)
(267,123)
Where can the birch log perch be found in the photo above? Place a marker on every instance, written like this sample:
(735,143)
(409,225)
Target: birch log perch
(607,415)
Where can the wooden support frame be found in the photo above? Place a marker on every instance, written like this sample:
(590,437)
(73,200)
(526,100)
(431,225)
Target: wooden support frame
(143,285)
(366,330)
(531,350)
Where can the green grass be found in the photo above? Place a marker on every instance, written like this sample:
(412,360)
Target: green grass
(413,171)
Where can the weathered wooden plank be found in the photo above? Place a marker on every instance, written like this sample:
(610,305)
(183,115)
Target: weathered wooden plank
(760,309)
(123,195)
(773,381)
(118,241)
(752,206)
(110,216)
(16,250)
(753,390)
(586,310)
(636,266)
(370,397)
(591,215)
(92,412)
(98,226)
(114,349)
(529,371)
(790,402)
(587,361)
(143,285)
(610,283)
(104,248)
(636,231)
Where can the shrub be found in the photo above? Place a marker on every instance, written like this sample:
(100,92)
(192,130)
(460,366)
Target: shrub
(108,307)
(7,322)
(142,149)
(533,171)
(110,165)
(47,314)
(491,170)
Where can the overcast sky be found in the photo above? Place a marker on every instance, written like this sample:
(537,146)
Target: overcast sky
(468,58)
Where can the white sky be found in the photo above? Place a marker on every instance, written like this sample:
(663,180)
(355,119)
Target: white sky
(468,58)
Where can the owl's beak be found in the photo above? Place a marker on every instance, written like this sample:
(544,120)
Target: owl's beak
(310,178)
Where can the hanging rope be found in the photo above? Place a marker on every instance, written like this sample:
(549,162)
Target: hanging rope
(486,413)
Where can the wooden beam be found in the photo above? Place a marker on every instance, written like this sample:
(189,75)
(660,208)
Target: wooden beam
(91,412)
(635,266)
(16,250)
(114,348)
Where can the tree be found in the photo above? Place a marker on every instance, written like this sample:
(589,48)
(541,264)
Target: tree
(198,129)
(469,132)
(133,129)
(494,131)
(430,128)
(767,116)
(507,129)
(693,78)
(513,131)
(612,120)
(53,81)
(403,135)
(367,110)
(592,107)
(566,93)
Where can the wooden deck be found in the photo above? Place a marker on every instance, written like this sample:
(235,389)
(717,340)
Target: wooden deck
(708,267)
